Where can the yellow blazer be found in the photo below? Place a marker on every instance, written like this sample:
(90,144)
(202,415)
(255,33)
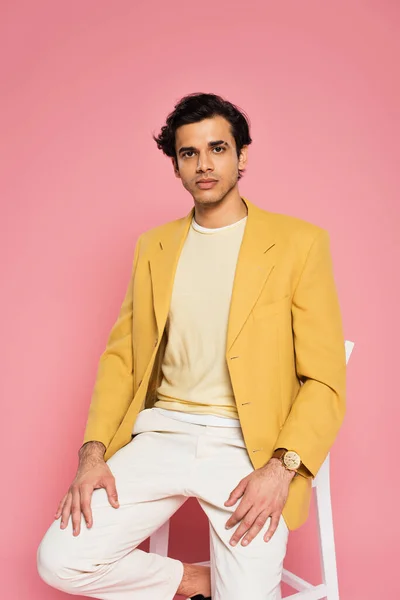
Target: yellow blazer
(285,345)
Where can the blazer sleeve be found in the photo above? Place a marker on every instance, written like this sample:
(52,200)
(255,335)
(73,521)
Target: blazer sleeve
(319,407)
(113,389)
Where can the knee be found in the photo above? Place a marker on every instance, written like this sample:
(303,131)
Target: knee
(47,563)
(51,564)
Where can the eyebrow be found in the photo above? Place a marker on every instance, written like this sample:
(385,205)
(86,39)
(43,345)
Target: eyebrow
(210,145)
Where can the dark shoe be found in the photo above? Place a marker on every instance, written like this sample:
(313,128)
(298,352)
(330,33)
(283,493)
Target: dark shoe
(200,597)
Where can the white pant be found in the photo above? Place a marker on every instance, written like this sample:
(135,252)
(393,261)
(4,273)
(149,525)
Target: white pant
(166,462)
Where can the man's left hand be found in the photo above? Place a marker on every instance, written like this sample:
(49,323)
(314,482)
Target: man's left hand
(264,493)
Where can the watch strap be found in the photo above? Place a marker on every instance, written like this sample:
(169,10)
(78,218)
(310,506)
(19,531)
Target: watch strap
(279,453)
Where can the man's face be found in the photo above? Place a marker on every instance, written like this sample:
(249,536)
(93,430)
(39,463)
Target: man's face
(207,150)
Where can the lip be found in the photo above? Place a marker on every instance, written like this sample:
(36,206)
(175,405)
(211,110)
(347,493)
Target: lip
(206,184)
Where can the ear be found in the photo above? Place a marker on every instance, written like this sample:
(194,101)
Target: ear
(175,167)
(243,157)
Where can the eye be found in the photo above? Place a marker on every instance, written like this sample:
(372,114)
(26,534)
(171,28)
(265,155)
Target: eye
(187,152)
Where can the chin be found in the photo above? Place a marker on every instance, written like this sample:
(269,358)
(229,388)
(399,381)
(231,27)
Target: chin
(209,197)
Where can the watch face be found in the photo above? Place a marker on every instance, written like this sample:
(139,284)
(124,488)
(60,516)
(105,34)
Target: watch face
(292,460)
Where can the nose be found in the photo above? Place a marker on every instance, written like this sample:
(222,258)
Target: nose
(204,163)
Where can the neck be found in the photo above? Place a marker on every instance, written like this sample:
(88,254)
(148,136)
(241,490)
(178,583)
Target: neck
(220,214)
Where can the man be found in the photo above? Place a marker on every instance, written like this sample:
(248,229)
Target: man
(223,379)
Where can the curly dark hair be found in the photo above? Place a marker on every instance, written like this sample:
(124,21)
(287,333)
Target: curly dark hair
(196,107)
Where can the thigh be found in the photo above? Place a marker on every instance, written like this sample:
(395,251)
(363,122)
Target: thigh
(148,494)
(253,571)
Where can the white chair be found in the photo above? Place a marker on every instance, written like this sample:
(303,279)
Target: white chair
(329,588)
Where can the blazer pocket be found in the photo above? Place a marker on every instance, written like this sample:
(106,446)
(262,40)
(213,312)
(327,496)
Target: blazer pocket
(262,309)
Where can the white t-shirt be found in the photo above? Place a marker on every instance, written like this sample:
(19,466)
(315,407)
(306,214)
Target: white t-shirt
(196,385)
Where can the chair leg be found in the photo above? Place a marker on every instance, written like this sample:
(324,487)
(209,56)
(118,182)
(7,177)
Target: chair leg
(326,533)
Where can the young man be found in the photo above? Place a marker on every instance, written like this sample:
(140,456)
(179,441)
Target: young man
(223,379)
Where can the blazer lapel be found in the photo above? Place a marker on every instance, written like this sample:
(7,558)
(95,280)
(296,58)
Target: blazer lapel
(255,264)
(163,264)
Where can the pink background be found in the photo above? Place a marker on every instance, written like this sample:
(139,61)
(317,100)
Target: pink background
(84,84)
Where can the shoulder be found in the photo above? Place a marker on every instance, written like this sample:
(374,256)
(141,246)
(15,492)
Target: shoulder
(152,236)
(291,225)
(291,230)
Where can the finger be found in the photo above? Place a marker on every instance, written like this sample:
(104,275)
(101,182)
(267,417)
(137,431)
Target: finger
(241,510)
(255,528)
(76,511)
(273,526)
(244,526)
(112,492)
(66,511)
(86,498)
(60,506)
(236,493)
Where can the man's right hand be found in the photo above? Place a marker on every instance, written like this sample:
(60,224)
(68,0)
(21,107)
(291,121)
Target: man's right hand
(93,473)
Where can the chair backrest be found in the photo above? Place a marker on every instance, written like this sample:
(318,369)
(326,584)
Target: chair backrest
(349,349)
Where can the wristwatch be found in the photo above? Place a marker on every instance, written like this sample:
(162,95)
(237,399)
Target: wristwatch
(289,458)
